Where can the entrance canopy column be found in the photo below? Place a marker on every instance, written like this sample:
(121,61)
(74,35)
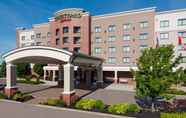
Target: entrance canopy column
(10,88)
(69,92)
(99,76)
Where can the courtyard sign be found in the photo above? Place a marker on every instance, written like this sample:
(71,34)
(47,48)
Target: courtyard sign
(67,17)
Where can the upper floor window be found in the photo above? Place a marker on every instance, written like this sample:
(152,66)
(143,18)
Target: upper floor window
(77,49)
(23,38)
(126,37)
(144,24)
(65,40)
(143,36)
(126,59)
(126,27)
(182,34)
(77,29)
(38,35)
(111,49)
(65,49)
(32,36)
(98,50)
(57,32)
(126,49)
(98,40)
(111,60)
(76,40)
(48,34)
(65,29)
(142,47)
(182,22)
(111,28)
(97,29)
(164,36)
(164,23)
(111,38)
(38,43)
(57,41)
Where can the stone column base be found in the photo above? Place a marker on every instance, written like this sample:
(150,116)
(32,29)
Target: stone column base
(99,84)
(69,98)
(116,81)
(10,91)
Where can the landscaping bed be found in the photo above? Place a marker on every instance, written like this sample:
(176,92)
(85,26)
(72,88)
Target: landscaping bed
(18,96)
(33,82)
(122,109)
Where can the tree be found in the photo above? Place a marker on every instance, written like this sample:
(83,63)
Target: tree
(155,72)
(3,69)
(38,69)
(22,70)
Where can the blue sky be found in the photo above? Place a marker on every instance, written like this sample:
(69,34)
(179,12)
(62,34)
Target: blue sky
(24,13)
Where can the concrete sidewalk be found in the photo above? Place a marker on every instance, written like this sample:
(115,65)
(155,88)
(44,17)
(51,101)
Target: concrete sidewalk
(9,109)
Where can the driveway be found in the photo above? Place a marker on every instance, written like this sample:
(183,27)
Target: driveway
(21,110)
(112,96)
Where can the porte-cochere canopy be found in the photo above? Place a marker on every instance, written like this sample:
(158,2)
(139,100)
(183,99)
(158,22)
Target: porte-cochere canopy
(48,55)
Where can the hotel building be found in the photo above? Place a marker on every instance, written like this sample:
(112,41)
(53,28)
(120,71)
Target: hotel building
(118,38)
(168,26)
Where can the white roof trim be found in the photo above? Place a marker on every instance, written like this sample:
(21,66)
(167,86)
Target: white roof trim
(171,11)
(123,13)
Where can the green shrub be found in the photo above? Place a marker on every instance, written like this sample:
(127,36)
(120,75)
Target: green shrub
(133,108)
(55,102)
(21,97)
(118,108)
(86,104)
(3,96)
(173,115)
(100,105)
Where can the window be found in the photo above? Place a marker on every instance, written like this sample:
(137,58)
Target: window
(38,35)
(98,40)
(77,49)
(164,36)
(182,34)
(126,49)
(97,29)
(65,29)
(48,34)
(65,49)
(111,28)
(111,38)
(97,50)
(32,44)
(23,45)
(23,38)
(57,41)
(76,40)
(126,59)
(65,40)
(126,37)
(111,60)
(142,47)
(126,27)
(183,59)
(32,36)
(38,43)
(48,43)
(182,22)
(144,24)
(111,49)
(57,32)
(143,36)
(164,23)
(77,29)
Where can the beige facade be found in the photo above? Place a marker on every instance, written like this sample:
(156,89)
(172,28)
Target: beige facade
(120,37)
(42,34)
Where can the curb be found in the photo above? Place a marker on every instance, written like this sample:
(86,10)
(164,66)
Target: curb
(82,111)
(68,109)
